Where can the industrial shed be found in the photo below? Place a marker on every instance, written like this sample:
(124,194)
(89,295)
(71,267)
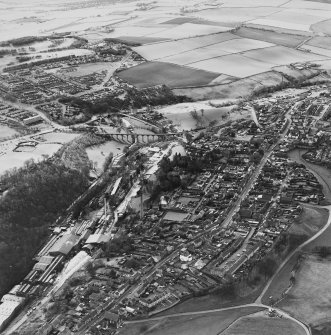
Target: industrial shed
(64,245)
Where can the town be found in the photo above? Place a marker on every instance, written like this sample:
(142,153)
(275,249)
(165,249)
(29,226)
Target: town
(179,218)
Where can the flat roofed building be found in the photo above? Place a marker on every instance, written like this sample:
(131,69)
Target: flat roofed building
(175,216)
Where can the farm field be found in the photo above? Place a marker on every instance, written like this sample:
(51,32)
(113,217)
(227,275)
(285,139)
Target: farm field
(141,39)
(279,55)
(157,73)
(322,27)
(320,42)
(235,65)
(237,14)
(287,40)
(317,50)
(193,56)
(210,323)
(310,297)
(281,24)
(237,46)
(165,49)
(263,325)
(190,30)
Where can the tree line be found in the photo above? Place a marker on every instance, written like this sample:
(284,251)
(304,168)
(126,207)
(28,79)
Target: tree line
(37,194)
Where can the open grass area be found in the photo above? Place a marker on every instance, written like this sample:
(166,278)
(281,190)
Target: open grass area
(310,298)
(155,73)
(263,325)
(86,69)
(211,323)
(309,223)
(5,131)
(98,154)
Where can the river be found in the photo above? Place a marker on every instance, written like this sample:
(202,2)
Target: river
(322,174)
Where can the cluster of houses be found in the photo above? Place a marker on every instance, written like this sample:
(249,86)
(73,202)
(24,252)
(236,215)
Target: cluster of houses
(20,117)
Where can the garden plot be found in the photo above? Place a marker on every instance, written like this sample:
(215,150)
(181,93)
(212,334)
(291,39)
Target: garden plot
(190,30)
(282,56)
(287,40)
(233,65)
(156,73)
(166,49)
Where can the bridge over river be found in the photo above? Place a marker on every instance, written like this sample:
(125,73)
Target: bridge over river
(130,138)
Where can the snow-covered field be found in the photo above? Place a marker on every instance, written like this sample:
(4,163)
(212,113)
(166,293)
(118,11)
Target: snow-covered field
(161,50)
(98,154)
(182,115)
(5,131)
(16,159)
(48,145)
(195,33)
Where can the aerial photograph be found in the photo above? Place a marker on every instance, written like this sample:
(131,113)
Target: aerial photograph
(165,167)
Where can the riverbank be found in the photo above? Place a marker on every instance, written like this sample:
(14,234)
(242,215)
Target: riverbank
(322,174)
